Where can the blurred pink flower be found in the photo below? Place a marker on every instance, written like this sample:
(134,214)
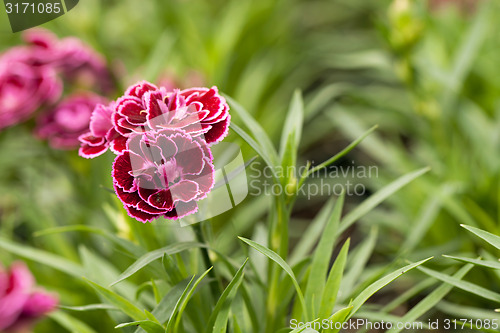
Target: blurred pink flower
(75,60)
(63,124)
(25,85)
(20,303)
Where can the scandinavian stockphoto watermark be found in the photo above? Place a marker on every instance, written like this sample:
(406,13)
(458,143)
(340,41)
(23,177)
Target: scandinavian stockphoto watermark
(365,324)
(348,178)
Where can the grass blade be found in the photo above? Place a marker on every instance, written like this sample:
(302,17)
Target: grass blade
(379,284)
(277,259)
(464,285)
(333,283)
(220,315)
(120,302)
(154,255)
(374,200)
(431,300)
(321,259)
(488,237)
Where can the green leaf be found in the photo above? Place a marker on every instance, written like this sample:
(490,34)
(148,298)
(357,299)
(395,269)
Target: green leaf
(163,310)
(158,56)
(489,237)
(257,131)
(464,285)
(373,201)
(89,307)
(120,302)
(321,259)
(379,284)
(171,321)
(217,322)
(292,131)
(333,283)
(344,152)
(154,255)
(313,233)
(359,261)
(123,243)
(187,298)
(338,317)
(43,257)
(147,325)
(431,300)
(252,143)
(478,262)
(277,259)
(70,323)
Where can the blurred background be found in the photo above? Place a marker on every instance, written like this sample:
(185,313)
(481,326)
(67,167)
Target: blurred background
(425,71)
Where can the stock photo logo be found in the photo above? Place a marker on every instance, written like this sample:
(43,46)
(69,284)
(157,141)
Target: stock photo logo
(25,14)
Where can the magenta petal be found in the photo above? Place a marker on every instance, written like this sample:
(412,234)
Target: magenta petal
(147,208)
(39,304)
(87,151)
(185,191)
(129,198)
(100,121)
(218,131)
(182,209)
(140,88)
(140,215)
(121,170)
(162,200)
(118,145)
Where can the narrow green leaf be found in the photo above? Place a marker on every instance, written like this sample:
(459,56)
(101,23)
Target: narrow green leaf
(187,298)
(158,56)
(277,259)
(344,152)
(379,284)
(171,321)
(154,255)
(70,323)
(431,300)
(359,261)
(217,322)
(147,325)
(374,200)
(478,262)
(89,307)
(120,302)
(464,285)
(321,259)
(123,243)
(43,257)
(255,146)
(333,283)
(338,317)
(487,236)
(292,129)
(313,233)
(257,131)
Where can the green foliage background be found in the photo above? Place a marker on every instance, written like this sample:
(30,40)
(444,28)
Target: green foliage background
(429,78)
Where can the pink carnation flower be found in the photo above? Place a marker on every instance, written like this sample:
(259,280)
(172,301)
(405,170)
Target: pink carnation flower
(97,141)
(163,173)
(24,86)
(75,60)
(20,304)
(67,121)
(200,112)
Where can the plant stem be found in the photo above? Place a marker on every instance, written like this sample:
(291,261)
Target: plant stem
(214,283)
